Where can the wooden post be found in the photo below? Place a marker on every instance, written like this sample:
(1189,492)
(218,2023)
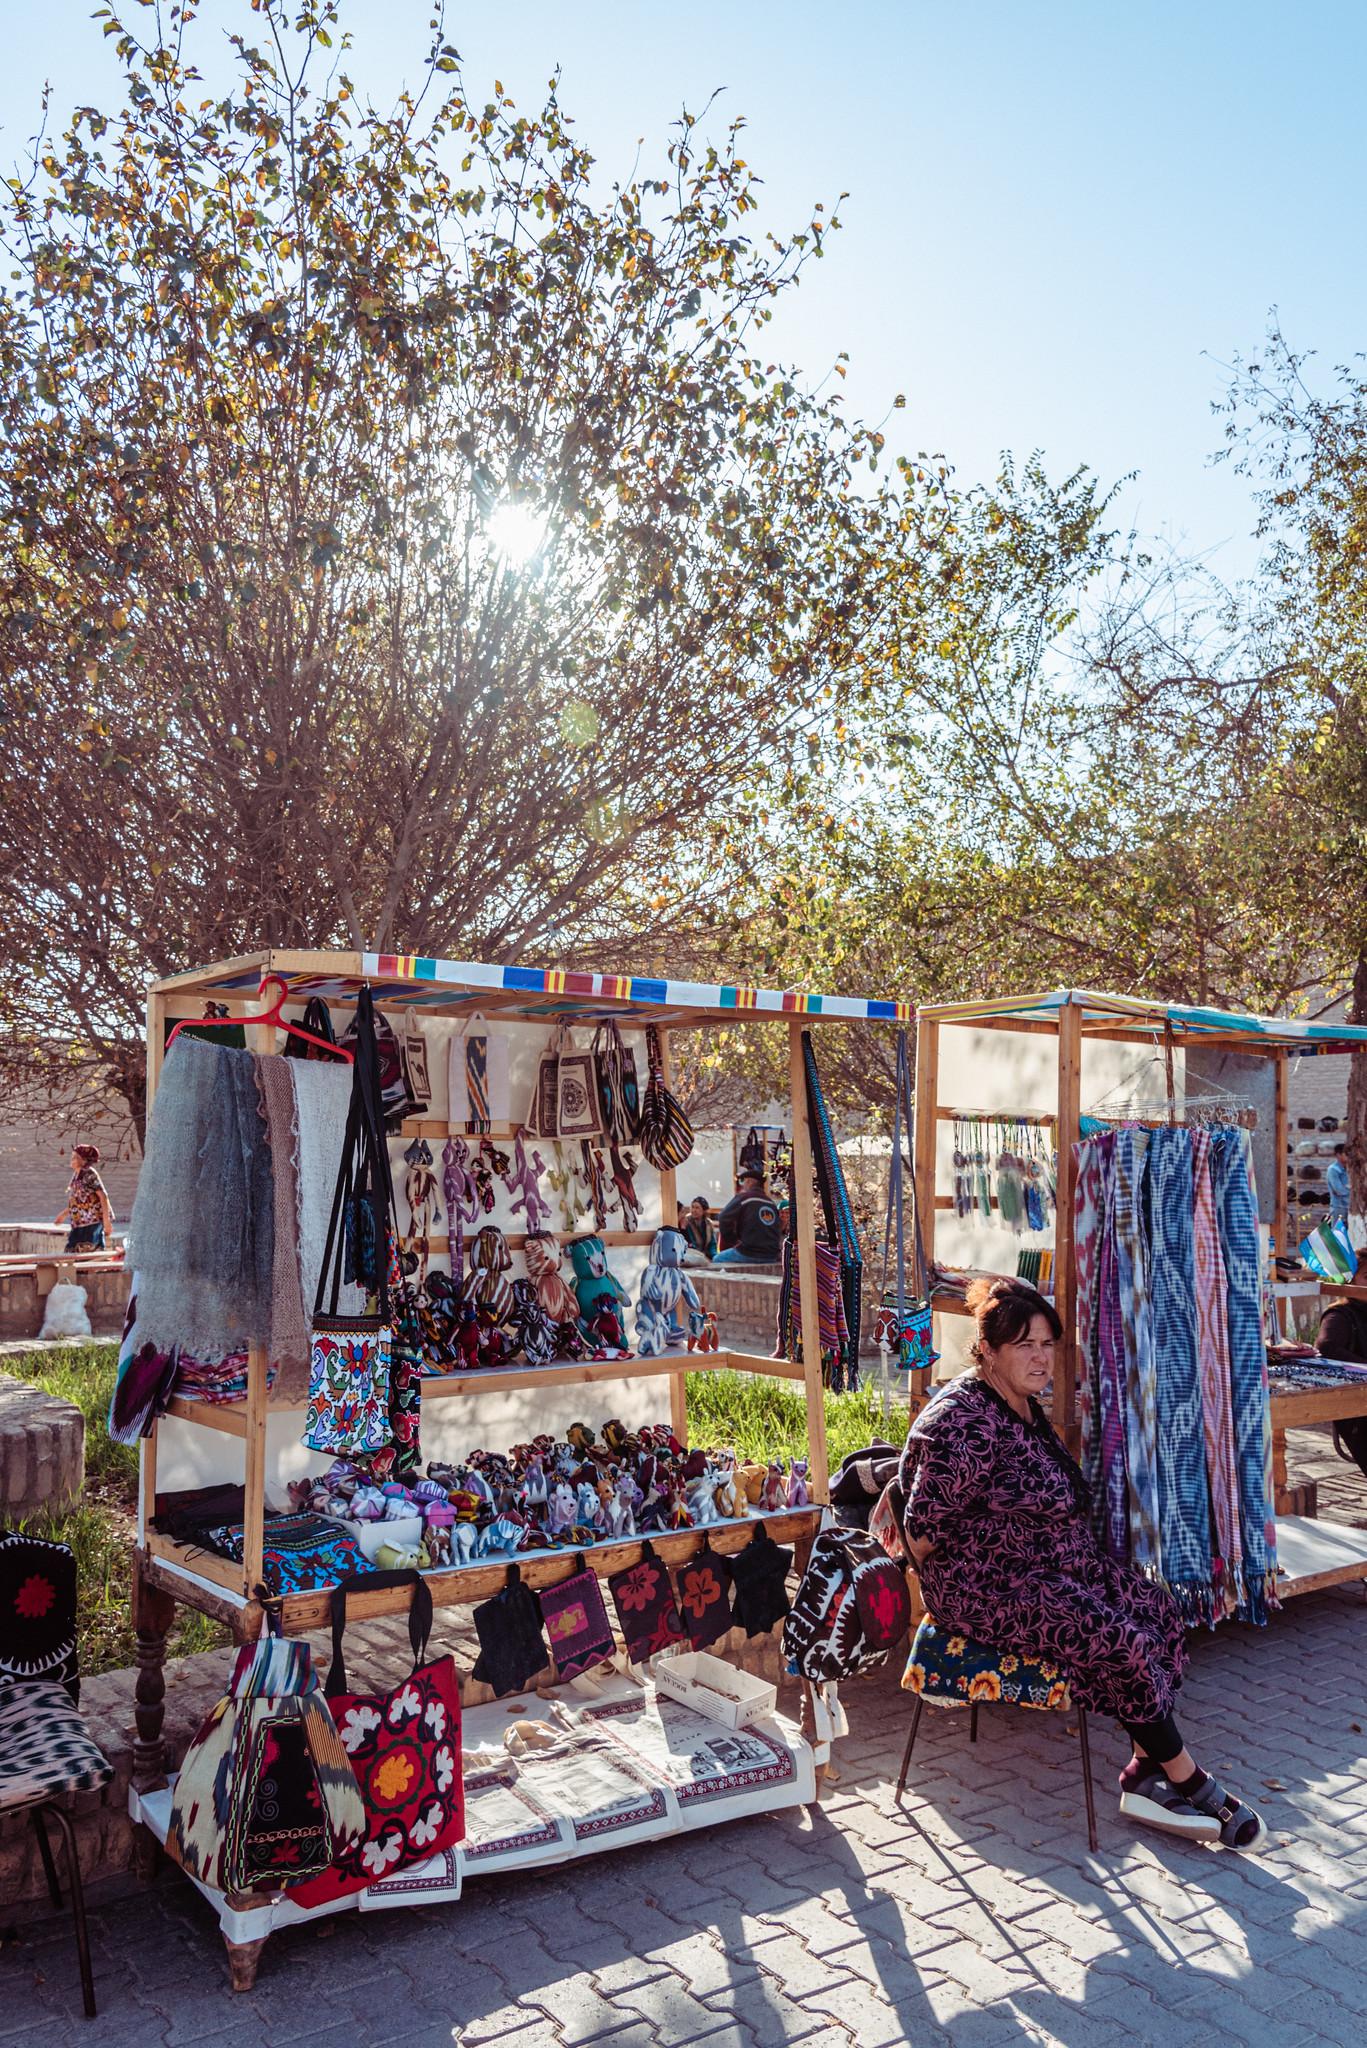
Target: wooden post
(924,1142)
(669,1213)
(147,1449)
(260,1039)
(1281,1219)
(802,1223)
(1069,1113)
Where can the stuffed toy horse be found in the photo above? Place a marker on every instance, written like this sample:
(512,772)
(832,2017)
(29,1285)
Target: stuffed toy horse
(624,1181)
(665,1284)
(492,1297)
(600,1294)
(524,1184)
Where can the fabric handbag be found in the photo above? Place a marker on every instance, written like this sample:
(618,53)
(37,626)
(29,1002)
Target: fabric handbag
(663,1133)
(350,1356)
(619,1093)
(477,1090)
(386,1052)
(512,1649)
(905,1319)
(644,1600)
(565,1102)
(266,1795)
(317,1018)
(300,1551)
(577,1624)
(759,1576)
(851,1607)
(752,1158)
(404,1747)
(413,1048)
(38,1613)
(702,1589)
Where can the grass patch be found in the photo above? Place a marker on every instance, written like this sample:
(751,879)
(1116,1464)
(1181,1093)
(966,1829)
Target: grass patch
(764,1418)
(101,1527)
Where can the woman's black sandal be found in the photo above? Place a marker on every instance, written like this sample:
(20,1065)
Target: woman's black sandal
(1159,1804)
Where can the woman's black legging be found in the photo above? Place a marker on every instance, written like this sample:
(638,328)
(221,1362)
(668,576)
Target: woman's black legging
(1159,1740)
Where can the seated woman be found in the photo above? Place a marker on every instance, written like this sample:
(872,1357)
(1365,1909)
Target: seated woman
(998,1526)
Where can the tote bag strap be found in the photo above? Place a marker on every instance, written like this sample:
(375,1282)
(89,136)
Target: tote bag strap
(894,1220)
(419,1618)
(921,1277)
(363,1169)
(331,1268)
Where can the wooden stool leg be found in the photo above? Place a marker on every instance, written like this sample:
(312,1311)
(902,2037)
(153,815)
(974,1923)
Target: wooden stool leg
(153,1613)
(973,1722)
(77,1890)
(1084,1744)
(54,1890)
(911,1744)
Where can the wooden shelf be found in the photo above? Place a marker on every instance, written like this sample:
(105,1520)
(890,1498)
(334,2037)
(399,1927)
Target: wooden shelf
(230,1418)
(459,1585)
(1293,1409)
(435,1127)
(516,1239)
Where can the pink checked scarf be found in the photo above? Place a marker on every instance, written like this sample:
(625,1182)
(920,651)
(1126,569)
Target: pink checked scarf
(1213,1368)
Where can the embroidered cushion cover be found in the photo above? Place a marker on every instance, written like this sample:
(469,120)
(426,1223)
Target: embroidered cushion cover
(954,1670)
(45,1750)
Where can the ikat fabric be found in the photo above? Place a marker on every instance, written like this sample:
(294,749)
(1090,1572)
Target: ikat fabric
(1176,1423)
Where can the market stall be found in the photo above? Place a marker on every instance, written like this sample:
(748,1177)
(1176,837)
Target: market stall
(489,1029)
(1073,1023)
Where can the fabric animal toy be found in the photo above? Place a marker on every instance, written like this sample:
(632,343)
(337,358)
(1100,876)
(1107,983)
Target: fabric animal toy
(570,1187)
(621,1512)
(537,1335)
(462,1201)
(600,1294)
(624,1181)
(702,1497)
(799,1492)
(524,1184)
(774,1492)
(730,1494)
(492,1297)
(553,1296)
(664,1284)
(560,1513)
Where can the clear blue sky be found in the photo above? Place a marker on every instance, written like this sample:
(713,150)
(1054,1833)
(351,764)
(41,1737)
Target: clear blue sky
(1064,215)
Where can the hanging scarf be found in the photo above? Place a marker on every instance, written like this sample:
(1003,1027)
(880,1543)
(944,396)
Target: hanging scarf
(1241,1249)
(1141,1416)
(1182,1501)
(840,1226)
(1212,1358)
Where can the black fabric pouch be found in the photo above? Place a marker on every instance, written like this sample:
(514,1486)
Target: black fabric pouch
(759,1575)
(512,1649)
(702,1588)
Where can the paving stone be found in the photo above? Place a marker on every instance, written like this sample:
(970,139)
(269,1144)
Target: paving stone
(872,2021)
(674,2016)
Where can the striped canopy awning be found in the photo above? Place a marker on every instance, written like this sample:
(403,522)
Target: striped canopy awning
(1139,1017)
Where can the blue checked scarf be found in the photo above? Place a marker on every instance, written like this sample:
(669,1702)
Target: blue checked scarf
(1241,1248)
(1184,1509)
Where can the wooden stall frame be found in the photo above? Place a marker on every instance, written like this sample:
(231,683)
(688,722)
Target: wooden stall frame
(1074,1018)
(167,1574)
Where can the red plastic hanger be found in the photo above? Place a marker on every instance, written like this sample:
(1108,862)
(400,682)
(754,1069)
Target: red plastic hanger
(271,1016)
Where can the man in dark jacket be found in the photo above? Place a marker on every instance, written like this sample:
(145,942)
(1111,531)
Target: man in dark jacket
(749,1226)
(1343,1334)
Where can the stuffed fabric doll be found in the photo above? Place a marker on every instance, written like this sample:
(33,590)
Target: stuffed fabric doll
(600,1294)
(524,1184)
(664,1284)
(554,1298)
(537,1333)
(491,1297)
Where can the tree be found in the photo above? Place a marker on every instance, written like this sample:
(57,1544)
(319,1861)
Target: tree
(405,541)
(1308,451)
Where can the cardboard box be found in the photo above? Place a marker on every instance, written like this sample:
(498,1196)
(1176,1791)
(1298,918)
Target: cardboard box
(712,1687)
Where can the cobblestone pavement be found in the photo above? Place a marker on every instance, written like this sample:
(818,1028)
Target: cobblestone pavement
(975,1914)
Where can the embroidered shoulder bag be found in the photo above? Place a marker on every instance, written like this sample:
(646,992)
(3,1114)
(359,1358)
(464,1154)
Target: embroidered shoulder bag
(905,1320)
(664,1133)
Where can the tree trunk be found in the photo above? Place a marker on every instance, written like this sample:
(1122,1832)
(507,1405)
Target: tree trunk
(1356,1154)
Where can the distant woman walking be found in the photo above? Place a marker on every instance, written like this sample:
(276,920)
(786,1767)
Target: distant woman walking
(87,1214)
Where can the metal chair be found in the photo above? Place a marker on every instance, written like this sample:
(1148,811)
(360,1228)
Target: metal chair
(951,1670)
(47,1755)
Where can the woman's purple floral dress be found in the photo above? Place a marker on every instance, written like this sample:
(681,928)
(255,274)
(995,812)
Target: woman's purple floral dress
(1015,1562)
